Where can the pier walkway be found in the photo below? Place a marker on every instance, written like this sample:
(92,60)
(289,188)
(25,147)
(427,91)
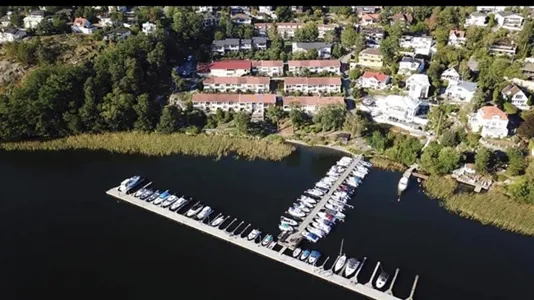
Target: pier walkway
(252,246)
(294,239)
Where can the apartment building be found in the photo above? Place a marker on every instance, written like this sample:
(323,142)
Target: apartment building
(324,50)
(490,121)
(235,45)
(371,58)
(310,104)
(253,104)
(230,68)
(509,20)
(314,66)
(309,85)
(285,30)
(268,67)
(246,84)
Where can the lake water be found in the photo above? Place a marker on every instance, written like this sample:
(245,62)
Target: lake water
(63,237)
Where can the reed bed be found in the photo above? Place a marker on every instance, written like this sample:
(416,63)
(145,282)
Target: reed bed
(154,144)
(387,164)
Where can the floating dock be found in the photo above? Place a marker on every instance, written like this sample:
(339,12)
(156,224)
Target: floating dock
(295,238)
(366,290)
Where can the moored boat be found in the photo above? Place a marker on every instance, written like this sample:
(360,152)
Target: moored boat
(285,227)
(194,210)
(305,255)
(381,280)
(130,183)
(295,212)
(153,196)
(403,184)
(169,201)
(267,240)
(296,252)
(253,234)
(162,198)
(204,213)
(289,221)
(340,263)
(146,194)
(310,236)
(314,256)
(217,221)
(352,265)
(178,204)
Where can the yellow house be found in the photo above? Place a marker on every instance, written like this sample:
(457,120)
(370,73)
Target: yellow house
(371,58)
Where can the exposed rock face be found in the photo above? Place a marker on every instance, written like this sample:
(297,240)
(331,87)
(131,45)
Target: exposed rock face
(10,72)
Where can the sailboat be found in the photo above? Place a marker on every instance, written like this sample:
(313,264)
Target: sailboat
(341,260)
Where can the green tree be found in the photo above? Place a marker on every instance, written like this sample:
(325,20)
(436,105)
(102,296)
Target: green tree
(448,160)
(516,161)
(482,160)
(449,138)
(389,47)
(378,141)
(275,114)
(349,36)
(298,117)
(168,122)
(242,121)
(89,113)
(355,73)
(145,111)
(526,129)
(307,33)
(284,14)
(330,117)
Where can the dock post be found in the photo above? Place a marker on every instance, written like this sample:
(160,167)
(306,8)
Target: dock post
(355,277)
(413,288)
(390,290)
(370,283)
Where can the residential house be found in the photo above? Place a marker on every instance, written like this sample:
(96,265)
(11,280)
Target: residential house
(451,74)
(457,38)
(324,50)
(410,65)
(314,66)
(117,8)
(118,34)
(503,47)
(82,25)
(5,21)
(204,9)
(148,28)
(253,104)
(516,96)
(417,44)
(11,34)
(241,19)
(362,10)
(230,68)
(297,9)
(237,84)
(370,19)
(210,19)
(373,80)
(235,45)
(33,19)
(418,86)
(399,108)
(477,19)
(490,121)
(509,20)
(324,28)
(462,91)
(492,9)
(285,30)
(402,18)
(105,20)
(265,9)
(528,70)
(371,58)
(268,67)
(310,104)
(203,69)
(307,85)
(373,36)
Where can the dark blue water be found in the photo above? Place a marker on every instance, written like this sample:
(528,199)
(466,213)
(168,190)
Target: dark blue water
(62,237)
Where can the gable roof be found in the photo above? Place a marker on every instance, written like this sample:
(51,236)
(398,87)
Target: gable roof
(420,79)
(312,80)
(268,63)
(489,111)
(511,89)
(467,85)
(237,80)
(457,33)
(231,64)
(240,98)
(316,45)
(314,63)
(371,51)
(313,100)
(370,17)
(376,75)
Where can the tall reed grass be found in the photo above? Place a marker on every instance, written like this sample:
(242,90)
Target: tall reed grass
(154,144)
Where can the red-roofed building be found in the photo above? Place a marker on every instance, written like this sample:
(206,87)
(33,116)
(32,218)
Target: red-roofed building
(268,67)
(374,80)
(315,66)
(230,68)
(308,85)
(310,104)
(253,104)
(370,19)
(237,84)
(490,121)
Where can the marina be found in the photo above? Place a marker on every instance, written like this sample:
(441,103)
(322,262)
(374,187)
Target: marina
(340,273)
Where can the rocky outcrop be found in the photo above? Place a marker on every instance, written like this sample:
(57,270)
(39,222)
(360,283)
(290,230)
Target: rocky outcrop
(11,72)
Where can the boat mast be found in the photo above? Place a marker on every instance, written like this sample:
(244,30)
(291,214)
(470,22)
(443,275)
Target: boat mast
(341,249)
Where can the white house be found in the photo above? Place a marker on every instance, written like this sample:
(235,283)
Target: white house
(309,85)
(504,47)
(82,25)
(477,19)
(509,20)
(118,34)
(410,65)
(5,20)
(204,9)
(148,28)
(265,9)
(230,68)
(369,19)
(373,80)
(457,38)
(493,9)
(310,104)
(324,50)
(490,121)
(420,44)
(253,104)
(11,34)
(400,108)
(235,45)
(268,67)
(285,30)
(237,84)
(516,96)
(241,19)
(324,28)
(33,19)
(315,66)
(418,86)
(451,74)
(461,90)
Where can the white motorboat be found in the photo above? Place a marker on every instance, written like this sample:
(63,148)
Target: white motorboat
(381,280)
(302,207)
(205,212)
(295,212)
(194,210)
(324,221)
(153,196)
(285,227)
(314,256)
(340,194)
(130,183)
(289,221)
(178,204)
(352,265)
(162,198)
(146,194)
(315,192)
(253,234)
(271,245)
(267,240)
(310,236)
(317,232)
(296,252)
(307,199)
(322,185)
(340,263)
(334,207)
(169,201)
(305,255)
(321,226)
(403,184)
(139,193)
(327,216)
(307,204)
(217,221)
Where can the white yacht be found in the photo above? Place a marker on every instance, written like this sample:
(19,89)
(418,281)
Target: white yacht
(316,231)
(352,265)
(205,212)
(295,212)
(285,227)
(321,226)
(381,280)
(162,198)
(289,221)
(129,183)
(314,256)
(315,192)
(169,201)
(333,207)
(302,207)
(217,221)
(307,204)
(340,263)
(310,236)
(296,252)
(178,204)
(307,199)
(403,184)
(194,210)
(253,234)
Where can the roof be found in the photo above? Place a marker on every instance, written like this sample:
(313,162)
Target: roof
(327,26)
(404,101)
(241,98)
(316,45)
(314,63)
(457,33)
(371,51)
(402,17)
(240,16)
(420,79)
(489,111)
(266,25)
(313,80)
(37,13)
(226,42)
(237,80)
(478,14)
(313,100)
(203,67)
(260,40)
(372,31)
(511,89)
(376,75)
(81,22)
(268,63)
(468,85)
(410,59)
(231,64)
(528,67)
(508,14)
(370,17)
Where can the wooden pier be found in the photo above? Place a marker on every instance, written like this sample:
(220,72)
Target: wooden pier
(279,256)
(294,239)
